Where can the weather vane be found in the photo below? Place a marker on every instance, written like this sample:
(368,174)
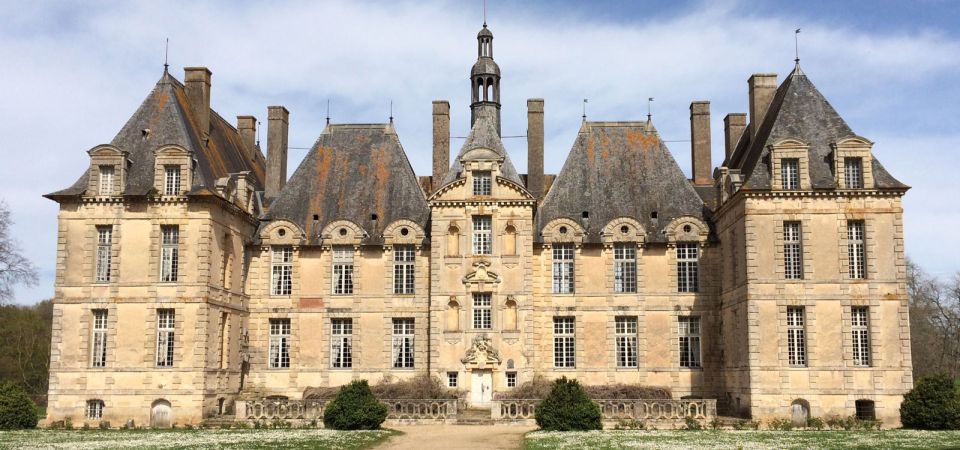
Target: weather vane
(649,113)
(796,45)
(584,110)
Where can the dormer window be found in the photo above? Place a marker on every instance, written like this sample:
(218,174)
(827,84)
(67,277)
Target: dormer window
(853,173)
(790,173)
(481,182)
(171,180)
(106,180)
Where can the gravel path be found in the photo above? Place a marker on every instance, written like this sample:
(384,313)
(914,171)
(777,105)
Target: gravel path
(444,437)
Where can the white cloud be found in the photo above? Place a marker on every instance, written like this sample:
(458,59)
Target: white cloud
(80,71)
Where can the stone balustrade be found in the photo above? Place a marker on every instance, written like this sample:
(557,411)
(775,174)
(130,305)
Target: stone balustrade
(637,409)
(270,410)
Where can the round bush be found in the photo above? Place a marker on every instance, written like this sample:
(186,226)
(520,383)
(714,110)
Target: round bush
(16,409)
(355,408)
(567,408)
(932,404)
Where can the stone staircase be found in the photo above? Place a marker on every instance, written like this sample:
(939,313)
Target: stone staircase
(474,416)
(224,421)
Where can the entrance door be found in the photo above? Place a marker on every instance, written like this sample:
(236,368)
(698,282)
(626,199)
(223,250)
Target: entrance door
(160,414)
(481,387)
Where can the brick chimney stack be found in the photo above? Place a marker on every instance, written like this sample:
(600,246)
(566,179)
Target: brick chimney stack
(247,127)
(762,88)
(197,83)
(700,143)
(441,142)
(277,128)
(535,147)
(733,126)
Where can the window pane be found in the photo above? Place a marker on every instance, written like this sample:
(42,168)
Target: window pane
(281,270)
(172,180)
(792,251)
(564,344)
(279,351)
(482,237)
(482,311)
(343,269)
(853,172)
(856,250)
(481,183)
(625,267)
(169,252)
(106,180)
(860,331)
(403,345)
(104,253)
(688,330)
(626,341)
(688,278)
(790,173)
(341,343)
(563,269)
(404,275)
(796,337)
(166,321)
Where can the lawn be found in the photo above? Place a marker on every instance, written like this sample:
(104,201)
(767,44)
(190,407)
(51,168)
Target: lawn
(174,439)
(702,440)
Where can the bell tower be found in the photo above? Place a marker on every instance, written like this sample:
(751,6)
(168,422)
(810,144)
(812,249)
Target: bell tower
(485,80)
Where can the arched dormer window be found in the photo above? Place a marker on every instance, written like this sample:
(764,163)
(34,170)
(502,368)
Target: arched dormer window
(853,163)
(172,171)
(107,173)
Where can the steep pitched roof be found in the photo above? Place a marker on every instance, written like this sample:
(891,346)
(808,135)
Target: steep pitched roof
(799,111)
(620,169)
(484,134)
(350,173)
(167,114)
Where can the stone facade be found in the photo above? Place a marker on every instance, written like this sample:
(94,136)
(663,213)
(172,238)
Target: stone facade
(776,286)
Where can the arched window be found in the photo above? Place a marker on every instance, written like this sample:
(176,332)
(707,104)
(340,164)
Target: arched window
(866,410)
(510,241)
(453,316)
(800,412)
(510,315)
(453,241)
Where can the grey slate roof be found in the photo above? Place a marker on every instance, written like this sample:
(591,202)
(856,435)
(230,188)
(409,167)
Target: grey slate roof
(799,111)
(620,169)
(167,114)
(484,135)
(350,173)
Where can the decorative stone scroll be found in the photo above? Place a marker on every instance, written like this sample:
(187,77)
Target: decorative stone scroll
(481,354)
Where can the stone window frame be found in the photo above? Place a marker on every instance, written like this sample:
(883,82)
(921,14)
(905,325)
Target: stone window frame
(687,230)
(510,379)
(806,257)
(170,249)
(623,335)
(94,409)
(166,338)
(486,305)
(789,148)
(340,340)
(797,339)
(564,340)
(404,232)
(99,333)
(107,156)
(453,379)
(694,353)
(343,269)
(623,231)
(279,233)
(173,156)
(280,341)
(860,338)
(403,339)
(852,147)
(481,183)
(563,231)
(105,252)
(845,248)
(477,245)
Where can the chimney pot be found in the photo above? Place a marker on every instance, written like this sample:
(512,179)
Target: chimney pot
(700,143)
(441,142)
(197,86)
(247,127)
(277,129)
(733,126)
(535,147)
(762,86)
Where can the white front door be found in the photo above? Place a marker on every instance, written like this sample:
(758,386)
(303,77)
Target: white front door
(481,387)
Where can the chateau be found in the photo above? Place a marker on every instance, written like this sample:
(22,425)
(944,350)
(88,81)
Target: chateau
(192,273)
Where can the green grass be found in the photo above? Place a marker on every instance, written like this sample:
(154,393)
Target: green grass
(701,440)
(176,439)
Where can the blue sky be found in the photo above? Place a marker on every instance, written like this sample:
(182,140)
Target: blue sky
(76,71)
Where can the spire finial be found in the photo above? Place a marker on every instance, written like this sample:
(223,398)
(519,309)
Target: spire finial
(484,13)
(585,110)
(391,110)
(166,56)
(796,46)
(328,111)
(649,111)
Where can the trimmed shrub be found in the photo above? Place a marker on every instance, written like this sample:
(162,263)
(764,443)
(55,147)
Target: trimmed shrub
(17,411)
(932,404)
(780,424)
(816,423)
(691,424)
(567,408)
(355,408)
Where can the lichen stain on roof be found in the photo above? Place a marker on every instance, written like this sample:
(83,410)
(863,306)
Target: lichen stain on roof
(352,172)
(167,114)
(634,176)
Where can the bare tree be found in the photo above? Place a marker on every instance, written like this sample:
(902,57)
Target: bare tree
(14,267)
(934,323)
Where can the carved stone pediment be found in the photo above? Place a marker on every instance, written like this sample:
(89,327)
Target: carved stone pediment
(481,275)
(481,354)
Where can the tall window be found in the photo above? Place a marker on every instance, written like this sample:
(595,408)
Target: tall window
(564,342)
(626,329)
(104,253)
(106,180)
(688,328)
(342,269)
(856,249)
(281,271)
(796,337)
(688,267)
(171,180)
(860,327)
(853,173)
(169,252)
(95,409)
(403,343)
(511,380)
(166,319)
(98,354)
(563,269)
(482,237)
(341,344)
(790,173)
(224,340)
(279,343)
(404,273)
(792,251)
(625,267)
(481,183)
(482,311)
